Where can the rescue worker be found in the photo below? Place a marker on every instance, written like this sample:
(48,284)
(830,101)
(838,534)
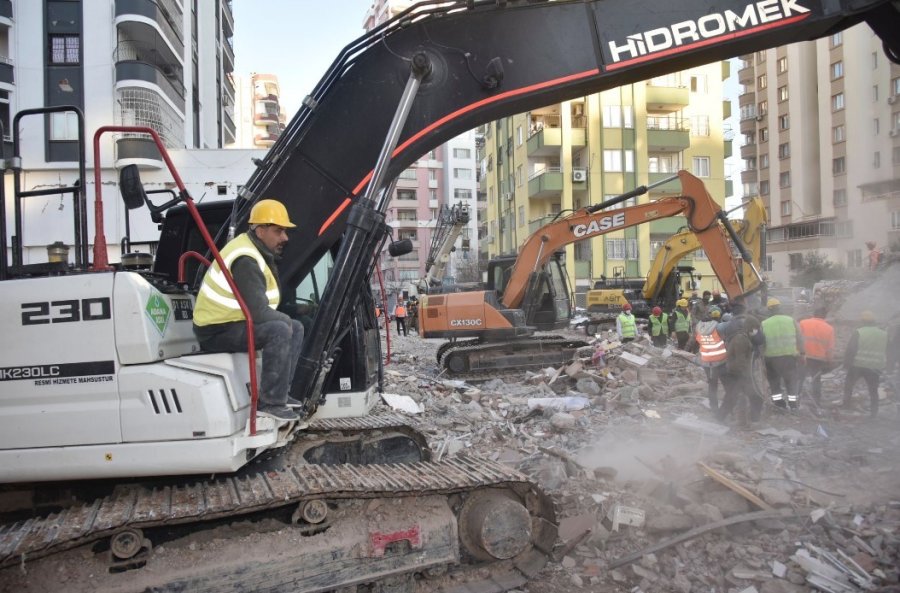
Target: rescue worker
(400,317)
(711,354)
(659,327)
(626,324)
(413,314)
(737,376)
(818,344)
(699,308)
(875,255)
(680,323)
(717,299)
(866,357)
(784,345)
(220,325)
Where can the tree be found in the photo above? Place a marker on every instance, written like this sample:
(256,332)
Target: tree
(816,267)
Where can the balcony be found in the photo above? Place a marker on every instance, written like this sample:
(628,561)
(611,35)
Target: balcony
(671,188)
(667,134)
(748,151)
(537,223)
(667,98)
(228,56)
(165,13)
(142,61)
(726,109)
(266,118)
(6,70)
(547,183)
(728,150)
(746,75)
(545,142)
(267,139)
(228,123)
(6,11)
(729,188)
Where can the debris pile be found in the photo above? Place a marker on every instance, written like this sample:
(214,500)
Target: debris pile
(653,494)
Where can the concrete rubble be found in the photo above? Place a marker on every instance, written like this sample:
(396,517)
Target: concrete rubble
(653,494)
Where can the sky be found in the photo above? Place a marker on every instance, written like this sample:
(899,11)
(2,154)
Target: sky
(296,40)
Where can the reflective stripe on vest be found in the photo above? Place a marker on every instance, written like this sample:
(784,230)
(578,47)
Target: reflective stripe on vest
(818,338)
(216,302)
(712,348)
(629,327)
(781,336)
(870,353)
(659,326)
(682,322)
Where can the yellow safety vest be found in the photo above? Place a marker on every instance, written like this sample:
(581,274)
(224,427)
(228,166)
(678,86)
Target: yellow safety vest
(628,325)
(659,326)
(682,321)
(781,336)
(870,351)
(215,301)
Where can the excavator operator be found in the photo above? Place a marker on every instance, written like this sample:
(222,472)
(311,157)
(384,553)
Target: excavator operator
(220,325)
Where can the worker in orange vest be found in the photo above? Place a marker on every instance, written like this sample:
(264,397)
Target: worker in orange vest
(818,341)
(400,316)
(711,353)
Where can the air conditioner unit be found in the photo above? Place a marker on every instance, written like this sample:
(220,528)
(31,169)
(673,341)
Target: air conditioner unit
(892,99)
(579,175)
(760,117)
(508,196)
(894,132)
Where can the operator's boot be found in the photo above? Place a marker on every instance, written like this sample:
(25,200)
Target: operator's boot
(778,400)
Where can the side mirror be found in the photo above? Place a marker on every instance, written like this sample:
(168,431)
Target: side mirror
(130,186)
(398,248)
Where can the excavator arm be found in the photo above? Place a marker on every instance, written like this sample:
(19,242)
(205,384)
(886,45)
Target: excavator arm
(702,215)
(749,230)
(451,223)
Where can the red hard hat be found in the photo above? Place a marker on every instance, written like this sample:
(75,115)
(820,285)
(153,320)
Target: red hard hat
(657,311)
(626,307)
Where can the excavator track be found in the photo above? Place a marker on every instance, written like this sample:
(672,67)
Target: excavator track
(498,493)
(531,352)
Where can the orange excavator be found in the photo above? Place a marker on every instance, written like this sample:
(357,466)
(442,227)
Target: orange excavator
(530,293)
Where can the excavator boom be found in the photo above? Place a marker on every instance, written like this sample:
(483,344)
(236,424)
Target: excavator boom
(702,215)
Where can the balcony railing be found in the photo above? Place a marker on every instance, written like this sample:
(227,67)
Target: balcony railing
(801,230)
(668,123)
(166,13)
(137,60)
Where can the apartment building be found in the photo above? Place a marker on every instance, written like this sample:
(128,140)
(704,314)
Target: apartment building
(445,176)
(580,152)
(260,117)
(820,126)
(164,64)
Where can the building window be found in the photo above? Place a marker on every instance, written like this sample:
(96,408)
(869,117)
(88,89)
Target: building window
(612,116)
(786,208)
(612,161)
(406,194)
(767,264)
(462,194)
(65,49)
(749,138)
(895,86)
(521,215)
(764,161)
(663,163)
(837,102)
(784,122)
(750,163)
(784,179)
(762,82)
(464,153)
(876,160)
(838,134)
(895,220)
(764,134)
(519,136)
(784,150)
(838,166)
(837,70)
(462,173)
(795,261)
(701,166)
(783,93)
(700,125)
(782,65)
(896,155)
(698,84)
(837,39)
(760,56)
(432,174)
(874,93)
(764,187)
(408,174)
(63,126)
(854,258)
(615,249)
(839,197)
(762,108)
(876,126)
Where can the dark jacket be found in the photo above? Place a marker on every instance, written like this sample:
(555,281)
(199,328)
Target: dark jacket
(740,345)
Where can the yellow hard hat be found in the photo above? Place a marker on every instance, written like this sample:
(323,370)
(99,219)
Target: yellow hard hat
(772,303)
(270,212)
(681,303)
(867,316)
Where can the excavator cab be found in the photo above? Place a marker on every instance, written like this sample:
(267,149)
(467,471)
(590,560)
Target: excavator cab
(548,303)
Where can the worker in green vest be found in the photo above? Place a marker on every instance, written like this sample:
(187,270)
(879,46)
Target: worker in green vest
(866,357)
(680,322)
(659,327)
(784,346)
(626,324)
(219,322)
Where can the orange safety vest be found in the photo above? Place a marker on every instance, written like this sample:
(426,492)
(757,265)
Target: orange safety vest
(400,311)
(818,338)
(712,348)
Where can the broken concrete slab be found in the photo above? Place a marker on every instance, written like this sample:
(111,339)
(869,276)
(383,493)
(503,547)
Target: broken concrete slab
(694,424)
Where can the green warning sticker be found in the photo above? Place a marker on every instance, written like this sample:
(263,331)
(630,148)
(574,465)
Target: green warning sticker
(158,311)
